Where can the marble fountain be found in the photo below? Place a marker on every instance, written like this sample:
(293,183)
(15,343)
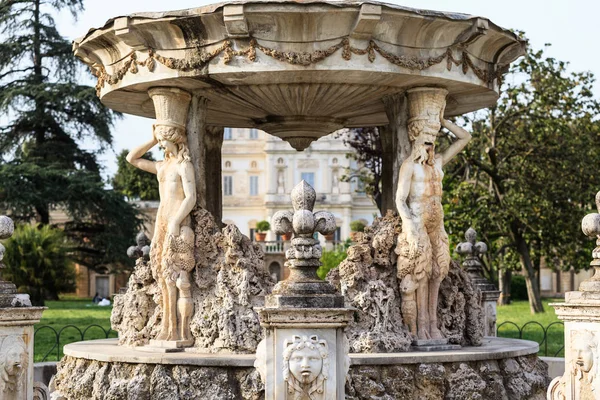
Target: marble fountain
(201,319)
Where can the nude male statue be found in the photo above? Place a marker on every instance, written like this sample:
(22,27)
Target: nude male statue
(423,244)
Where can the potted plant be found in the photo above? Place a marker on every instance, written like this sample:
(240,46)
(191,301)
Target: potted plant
(261,230)
(286,237)
(355,227)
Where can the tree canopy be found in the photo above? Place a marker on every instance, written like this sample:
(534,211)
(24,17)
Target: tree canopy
(527,177)
(37,262)
(48,117)
(133,182)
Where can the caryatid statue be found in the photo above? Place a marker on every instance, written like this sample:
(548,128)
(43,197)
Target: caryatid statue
(172,249)
(423,247)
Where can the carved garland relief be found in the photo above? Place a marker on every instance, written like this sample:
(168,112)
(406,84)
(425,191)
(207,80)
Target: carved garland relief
(412,63)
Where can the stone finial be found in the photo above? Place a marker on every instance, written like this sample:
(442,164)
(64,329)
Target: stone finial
(472,250)
(303,257)
(590,225)
(141,249)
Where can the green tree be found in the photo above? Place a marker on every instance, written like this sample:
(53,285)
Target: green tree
(47,115)
(37,262)
(527,178)
(368,156)
(330,259)
(133,182)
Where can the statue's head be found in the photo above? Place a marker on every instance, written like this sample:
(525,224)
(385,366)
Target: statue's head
(171,108)
(425,108)
(305,359)
(171,137)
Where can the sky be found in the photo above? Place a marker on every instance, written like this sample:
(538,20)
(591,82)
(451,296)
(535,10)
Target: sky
(570,26)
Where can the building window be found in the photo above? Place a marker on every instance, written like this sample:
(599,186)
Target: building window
(227,164)
(253,134)
(309,177)
(254,185)
(280,161)
(337,235)
(252,232)
(253,165)
(228,185)
(228,134)
(335,161)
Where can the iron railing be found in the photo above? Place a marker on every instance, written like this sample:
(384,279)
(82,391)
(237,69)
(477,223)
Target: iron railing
(56,343)
(531,331)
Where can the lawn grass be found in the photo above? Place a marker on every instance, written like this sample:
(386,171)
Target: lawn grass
(518,314)
(61,315)
(83,313)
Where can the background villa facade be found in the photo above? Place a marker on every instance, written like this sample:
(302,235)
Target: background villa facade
(260,170)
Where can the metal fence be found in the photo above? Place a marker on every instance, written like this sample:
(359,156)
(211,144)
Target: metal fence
(54,343)
(532,330)
(537,332)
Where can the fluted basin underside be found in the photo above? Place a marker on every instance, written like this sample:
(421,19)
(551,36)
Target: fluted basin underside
(298,70)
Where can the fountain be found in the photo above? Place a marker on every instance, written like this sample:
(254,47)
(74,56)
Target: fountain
(201,317)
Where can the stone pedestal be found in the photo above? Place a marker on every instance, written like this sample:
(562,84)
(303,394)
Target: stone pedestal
(472,265)
(304,355)
(581,315)
(17,318)
(16,351)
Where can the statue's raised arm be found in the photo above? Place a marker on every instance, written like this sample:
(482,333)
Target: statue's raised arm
(462,135)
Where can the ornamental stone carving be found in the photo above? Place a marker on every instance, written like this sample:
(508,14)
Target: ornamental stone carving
(306,367)
(172,250)
(303,257)
(141,249)
(422,248)
(13,368)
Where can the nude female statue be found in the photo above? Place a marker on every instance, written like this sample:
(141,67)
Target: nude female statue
(172,249)
(423,244)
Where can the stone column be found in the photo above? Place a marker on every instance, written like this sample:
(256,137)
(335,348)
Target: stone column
(472,265)
(304,354)
(17,318)
(395,145)
(205,143)
(581,315)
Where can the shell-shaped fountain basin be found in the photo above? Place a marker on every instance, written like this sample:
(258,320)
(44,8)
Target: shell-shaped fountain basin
(298,69)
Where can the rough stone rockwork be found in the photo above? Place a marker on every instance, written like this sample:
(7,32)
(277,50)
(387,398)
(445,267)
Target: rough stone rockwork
(521,378)
(79,379)
(517,378)
(227,282)
(367,279)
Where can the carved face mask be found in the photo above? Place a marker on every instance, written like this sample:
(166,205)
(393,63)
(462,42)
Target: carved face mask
(306,364)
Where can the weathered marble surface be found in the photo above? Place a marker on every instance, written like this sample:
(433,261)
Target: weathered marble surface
(513,378)
(261,52)
(228,280)
(520,378)
(367,278)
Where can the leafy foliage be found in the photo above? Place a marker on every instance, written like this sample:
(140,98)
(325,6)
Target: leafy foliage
(357,226)
(48,115)
(133,182)
(330,259)
(368,156)
(37,262)
(262,226)
(527,178)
